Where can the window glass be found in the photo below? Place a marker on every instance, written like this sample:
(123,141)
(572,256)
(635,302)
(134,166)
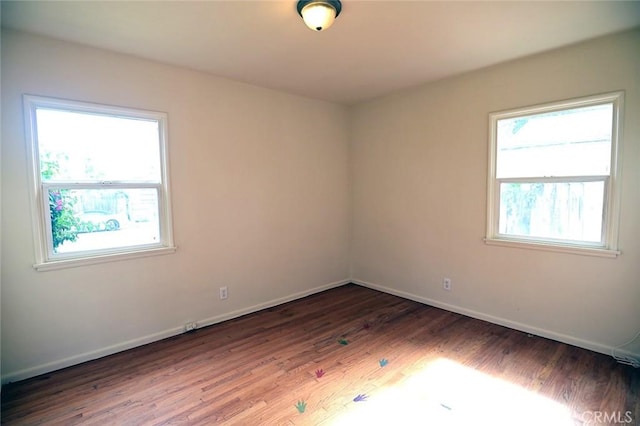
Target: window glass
(99,219)
(560,211)
(86,146)
(100,181)
(553,175)
(572,142)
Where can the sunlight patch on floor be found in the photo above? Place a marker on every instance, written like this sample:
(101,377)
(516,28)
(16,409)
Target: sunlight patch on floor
(445,392)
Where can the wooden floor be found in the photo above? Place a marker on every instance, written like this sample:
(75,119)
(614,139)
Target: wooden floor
(264,368)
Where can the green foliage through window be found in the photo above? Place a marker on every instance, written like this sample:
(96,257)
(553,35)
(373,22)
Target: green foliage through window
(64,225)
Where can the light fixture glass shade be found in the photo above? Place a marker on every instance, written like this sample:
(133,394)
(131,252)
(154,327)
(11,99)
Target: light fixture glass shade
(318,15)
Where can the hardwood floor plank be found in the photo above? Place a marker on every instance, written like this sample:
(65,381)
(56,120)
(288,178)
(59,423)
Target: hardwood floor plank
(441,367)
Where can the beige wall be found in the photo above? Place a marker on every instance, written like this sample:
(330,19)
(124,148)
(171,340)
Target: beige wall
(277,196)
(419,167)
(260,204)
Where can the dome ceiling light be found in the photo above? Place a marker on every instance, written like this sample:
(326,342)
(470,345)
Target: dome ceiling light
(319,14)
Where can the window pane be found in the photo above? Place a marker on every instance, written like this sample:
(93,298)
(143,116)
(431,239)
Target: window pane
(97,219)
(77,146)
(572,142)
(571,211)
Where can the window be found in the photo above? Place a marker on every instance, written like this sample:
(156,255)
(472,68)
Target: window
(99,182)
(553,176)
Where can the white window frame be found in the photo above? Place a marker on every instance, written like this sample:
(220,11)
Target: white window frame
(609,245)
(46,259)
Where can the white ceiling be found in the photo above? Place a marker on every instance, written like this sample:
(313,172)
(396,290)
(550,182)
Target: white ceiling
(374,47)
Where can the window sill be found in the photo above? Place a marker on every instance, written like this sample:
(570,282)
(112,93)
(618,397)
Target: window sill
(112,257)
(584,251)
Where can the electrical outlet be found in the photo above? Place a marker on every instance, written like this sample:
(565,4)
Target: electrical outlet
(446,284)
(223,293)
(190,326)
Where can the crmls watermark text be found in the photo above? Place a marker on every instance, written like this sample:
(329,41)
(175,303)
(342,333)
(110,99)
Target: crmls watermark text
(606,417)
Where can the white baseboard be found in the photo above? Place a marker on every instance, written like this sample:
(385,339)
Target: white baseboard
(119,347)
(275,302)
(585,344)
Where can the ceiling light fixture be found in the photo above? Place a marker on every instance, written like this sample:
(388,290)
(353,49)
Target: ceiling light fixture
(319,14)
